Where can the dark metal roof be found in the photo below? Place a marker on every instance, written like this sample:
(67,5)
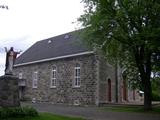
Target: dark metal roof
(62,45)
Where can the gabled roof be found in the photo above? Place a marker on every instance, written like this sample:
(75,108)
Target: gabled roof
(62,46)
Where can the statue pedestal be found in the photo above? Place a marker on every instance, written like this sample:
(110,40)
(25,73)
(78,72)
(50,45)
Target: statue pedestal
(9,91)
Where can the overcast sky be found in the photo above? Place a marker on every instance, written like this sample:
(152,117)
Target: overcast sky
(28,21)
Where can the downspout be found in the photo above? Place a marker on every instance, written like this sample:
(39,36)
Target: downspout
(98,80)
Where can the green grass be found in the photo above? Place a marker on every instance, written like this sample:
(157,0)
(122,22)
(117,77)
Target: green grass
(138,109)
(46,116)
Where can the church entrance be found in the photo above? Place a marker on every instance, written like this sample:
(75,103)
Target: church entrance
(124,90)
(109,91)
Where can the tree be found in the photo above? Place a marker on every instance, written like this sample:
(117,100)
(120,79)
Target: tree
(125,30)
(155,77)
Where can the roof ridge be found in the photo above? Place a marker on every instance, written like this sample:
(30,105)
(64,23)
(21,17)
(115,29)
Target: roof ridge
(50,38)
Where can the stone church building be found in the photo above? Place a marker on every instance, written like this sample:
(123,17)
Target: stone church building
(62,70)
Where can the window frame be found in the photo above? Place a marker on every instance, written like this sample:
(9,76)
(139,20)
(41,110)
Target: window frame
(77,76)
(53,79)
(35,79)
(20,75)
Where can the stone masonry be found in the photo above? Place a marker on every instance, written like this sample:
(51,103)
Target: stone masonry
(9,96)
(95,73)
(64,92)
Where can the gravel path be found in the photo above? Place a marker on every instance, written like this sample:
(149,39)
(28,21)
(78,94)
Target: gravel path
(91,113)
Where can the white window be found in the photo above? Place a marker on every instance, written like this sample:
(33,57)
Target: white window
(53,77)
(77,81)
(20,76)
(35,80)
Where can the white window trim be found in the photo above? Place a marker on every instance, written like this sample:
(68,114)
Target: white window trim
(77,77)
(35,80)
(53,78)
(20,75)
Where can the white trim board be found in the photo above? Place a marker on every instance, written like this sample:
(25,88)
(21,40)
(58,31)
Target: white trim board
(55,58)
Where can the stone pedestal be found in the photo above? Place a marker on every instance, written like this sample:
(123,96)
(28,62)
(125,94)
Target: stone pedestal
(9,91)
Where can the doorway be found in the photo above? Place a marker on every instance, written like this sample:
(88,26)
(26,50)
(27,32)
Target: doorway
(109,91)
(124,90)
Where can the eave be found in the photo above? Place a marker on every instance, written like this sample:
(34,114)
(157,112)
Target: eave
(55,58)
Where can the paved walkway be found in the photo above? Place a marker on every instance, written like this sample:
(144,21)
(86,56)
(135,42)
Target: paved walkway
(92,113)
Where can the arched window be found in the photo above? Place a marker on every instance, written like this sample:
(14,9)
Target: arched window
(77,73)
(53,77)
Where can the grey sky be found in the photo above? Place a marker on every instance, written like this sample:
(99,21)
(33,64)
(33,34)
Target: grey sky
(28,21)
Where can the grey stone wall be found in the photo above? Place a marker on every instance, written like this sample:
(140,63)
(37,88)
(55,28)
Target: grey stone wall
(65,92)
(9,96)
(108,71)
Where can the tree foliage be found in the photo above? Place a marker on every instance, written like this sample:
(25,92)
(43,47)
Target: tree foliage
(127,31)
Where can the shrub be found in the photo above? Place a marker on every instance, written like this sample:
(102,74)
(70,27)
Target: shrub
(30,111)
(155,96)
(17,112)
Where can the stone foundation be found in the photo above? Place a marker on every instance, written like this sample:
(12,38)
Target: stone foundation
(9,91)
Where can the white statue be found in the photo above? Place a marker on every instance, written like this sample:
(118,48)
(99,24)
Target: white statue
(10,59)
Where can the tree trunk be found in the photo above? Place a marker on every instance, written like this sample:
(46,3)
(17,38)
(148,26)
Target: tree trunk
(147,93)
(143,61)
(147,84)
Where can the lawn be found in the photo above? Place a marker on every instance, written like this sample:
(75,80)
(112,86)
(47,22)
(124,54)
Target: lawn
(46,116)
(138,109)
